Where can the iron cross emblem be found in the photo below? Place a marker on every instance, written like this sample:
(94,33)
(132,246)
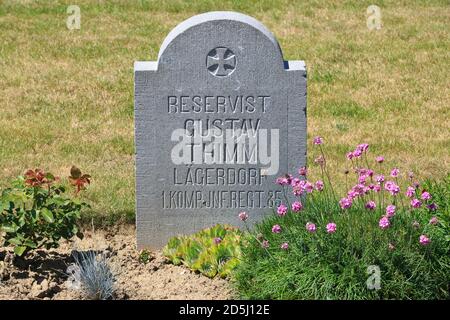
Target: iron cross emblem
(221,62)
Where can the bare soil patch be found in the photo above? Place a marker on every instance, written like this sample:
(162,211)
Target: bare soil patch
(43,274)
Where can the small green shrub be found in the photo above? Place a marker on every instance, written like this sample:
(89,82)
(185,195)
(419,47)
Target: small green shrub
(321,246)
(213,251)
(35,211)
(145,256)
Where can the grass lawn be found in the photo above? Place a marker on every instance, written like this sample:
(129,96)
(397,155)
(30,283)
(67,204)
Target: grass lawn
(66,97)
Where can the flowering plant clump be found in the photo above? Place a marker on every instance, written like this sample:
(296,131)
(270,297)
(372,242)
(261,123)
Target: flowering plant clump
(384,217)
(35,212)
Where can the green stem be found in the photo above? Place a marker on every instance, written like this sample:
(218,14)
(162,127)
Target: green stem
(257,240)
(326,173)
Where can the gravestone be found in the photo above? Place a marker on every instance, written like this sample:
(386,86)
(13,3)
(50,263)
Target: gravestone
(218,118)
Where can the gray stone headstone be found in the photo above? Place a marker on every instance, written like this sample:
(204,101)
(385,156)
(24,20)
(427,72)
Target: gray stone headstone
(218,118)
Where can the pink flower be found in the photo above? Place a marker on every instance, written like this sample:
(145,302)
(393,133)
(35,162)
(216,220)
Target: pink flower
(384,222)
(351,195)
(265,244)
(371,205)
(377,188)
(297,191)
(390,211)
(276,228)
(415,203)
(320,160)
(285,246)
(331,227)
(424,240)
(379,159)
(243,216)
(360,189)
(366,190)
(391,247)
(295,182)
(411,174)
(311,227)
(297,206)
(308,187)
(345,203)
(363,147)
(369,172)
(301,184)
(282,210)
(318,140)
(282,181)
(426,195)
(319,185)
(379,178)
(434,220)
(392,187)
(217,240)
(302,171)
(362,179)
(357,153)
(361,171)
(432,207)
(349,155)
(410,191)
(394,173)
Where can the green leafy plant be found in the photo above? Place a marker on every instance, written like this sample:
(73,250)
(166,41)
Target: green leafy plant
(35,211)
(213,251)
(145,256)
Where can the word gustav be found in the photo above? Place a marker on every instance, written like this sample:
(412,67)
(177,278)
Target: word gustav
(217,104)
(219,125)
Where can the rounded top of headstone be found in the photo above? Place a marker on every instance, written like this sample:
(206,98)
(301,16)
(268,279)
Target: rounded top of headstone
(217,16)
(221,43)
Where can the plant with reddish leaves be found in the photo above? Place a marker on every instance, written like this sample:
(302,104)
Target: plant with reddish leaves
(35,212)
(78,179)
